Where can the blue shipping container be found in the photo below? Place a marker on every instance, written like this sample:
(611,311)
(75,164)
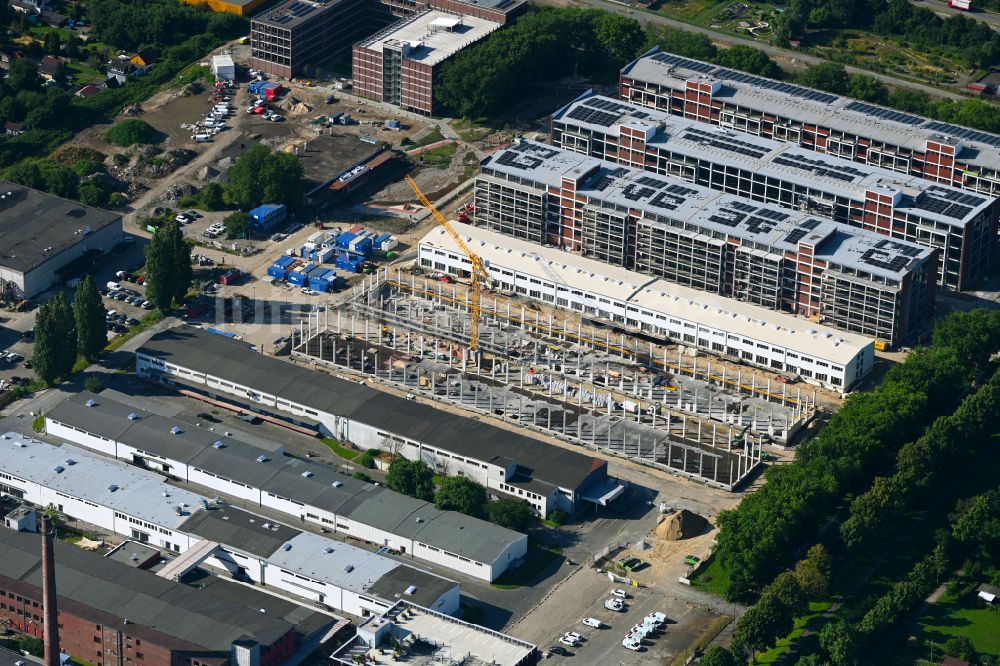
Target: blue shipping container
(276,271)
(344,240)
(284,262)
(268,216)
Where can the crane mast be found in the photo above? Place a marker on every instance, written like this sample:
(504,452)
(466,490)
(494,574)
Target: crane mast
(479,274)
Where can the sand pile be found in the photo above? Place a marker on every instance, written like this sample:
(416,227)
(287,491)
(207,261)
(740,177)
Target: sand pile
(682,525)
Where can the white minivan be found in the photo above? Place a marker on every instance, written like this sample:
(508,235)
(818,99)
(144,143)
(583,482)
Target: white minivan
(114,286)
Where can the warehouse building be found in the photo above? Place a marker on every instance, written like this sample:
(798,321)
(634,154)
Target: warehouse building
(398,65)
(764,338)
(548,477)
(407,623)
(299,32)
(306,491)
(848,278)
(816,120)
(782,173)
(141,506)
(113,613)
(43,237)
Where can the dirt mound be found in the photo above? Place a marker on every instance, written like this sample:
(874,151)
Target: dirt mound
(682,525)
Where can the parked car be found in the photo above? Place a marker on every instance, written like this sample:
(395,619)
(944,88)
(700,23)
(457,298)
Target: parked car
(615,605)
(308,292)
(621,594)
(575,636)
(147,305)
(630,644)
(566,640)
(630,563)
(592,622)
(559,650)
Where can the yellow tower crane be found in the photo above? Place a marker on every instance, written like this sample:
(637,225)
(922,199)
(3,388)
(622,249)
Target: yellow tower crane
(479,275)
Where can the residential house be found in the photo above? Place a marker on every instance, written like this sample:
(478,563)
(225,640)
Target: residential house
(122,69)
(13,129)
(52,68)
(89,90)
(31,7)
(145,58)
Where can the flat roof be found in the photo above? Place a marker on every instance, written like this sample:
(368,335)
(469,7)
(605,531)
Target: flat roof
(594,277)
(818,107)
(670,202)
(133,553)
(343,565)
(156,608)
(431,36)
(786,161)
(298,479)
(81,474)
(294,13)
(35,226)
(483,645)
(239,529)
(234,361)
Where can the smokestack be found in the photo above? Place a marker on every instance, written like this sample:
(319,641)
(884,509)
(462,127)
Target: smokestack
(49,609)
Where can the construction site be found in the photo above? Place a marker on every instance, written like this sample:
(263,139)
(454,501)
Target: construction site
(555,373)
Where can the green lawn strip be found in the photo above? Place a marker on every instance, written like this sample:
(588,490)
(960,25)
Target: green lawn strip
(342,451)
(431,137)
(712,578)
(810,621)
(539,559)
(440,156)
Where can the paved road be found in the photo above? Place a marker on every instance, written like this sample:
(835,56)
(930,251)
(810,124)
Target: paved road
(942,8)
(771,50)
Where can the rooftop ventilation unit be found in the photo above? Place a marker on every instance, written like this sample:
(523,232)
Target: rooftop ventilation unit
(337,484)
(69,461)
(307,474)
(133,417)
(286,546)
(411,589)
(262,458)
(219,444)
(175,430)
(112,488)
(58,469)
(91,402)
(349,568)
(328,550)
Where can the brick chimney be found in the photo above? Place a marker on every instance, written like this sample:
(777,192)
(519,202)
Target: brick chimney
(49,608)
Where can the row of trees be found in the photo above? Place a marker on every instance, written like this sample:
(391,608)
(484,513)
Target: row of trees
(457,493)
(486,78)
(63,332)
(761,537)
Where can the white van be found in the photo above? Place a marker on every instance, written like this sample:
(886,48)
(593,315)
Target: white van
(202,138)
(114,286)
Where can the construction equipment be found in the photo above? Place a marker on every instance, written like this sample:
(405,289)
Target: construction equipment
(478,276)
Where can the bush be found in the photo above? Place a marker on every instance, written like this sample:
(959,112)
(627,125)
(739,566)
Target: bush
(31,645)
(130,132)
(93,384)
(361,476)
(367,458)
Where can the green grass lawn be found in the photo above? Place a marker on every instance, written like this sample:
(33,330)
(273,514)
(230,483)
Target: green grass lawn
(951,617)
(439,157)
(39,31)
(470,131)
(342,451)
(810,621)
(712,578)
(431,137)
(84,74)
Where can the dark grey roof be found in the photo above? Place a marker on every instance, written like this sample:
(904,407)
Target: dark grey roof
(234,527)
(393,586)
(31,221)
(237,362)
(133,553)
(155,608)
(324,487)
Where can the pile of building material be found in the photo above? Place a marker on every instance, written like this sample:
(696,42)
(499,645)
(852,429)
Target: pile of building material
(682,525)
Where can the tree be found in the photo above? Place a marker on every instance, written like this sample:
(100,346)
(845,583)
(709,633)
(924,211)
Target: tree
(514,514)
(23,75)
(961,647)
(212,197)
(458,493)
(261,175)
(867,88)
(813,572)
(840,642)
(748,59)
(411,477)
(681,42)
(785,589)
(55,340)
(130,132)
(367,459)
(168,267)
(619,37)
(53,44)
(716,655)
(237,225)
(759,627)
(974,335)
(89,315)
(829,76)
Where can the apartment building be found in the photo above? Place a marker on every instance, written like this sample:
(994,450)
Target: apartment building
(961,226)
(817,120)
(297,33)
(781,259)
(398,64)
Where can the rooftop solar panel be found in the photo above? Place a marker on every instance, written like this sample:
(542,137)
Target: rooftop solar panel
(694,65)
(964,133)
(880,112)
